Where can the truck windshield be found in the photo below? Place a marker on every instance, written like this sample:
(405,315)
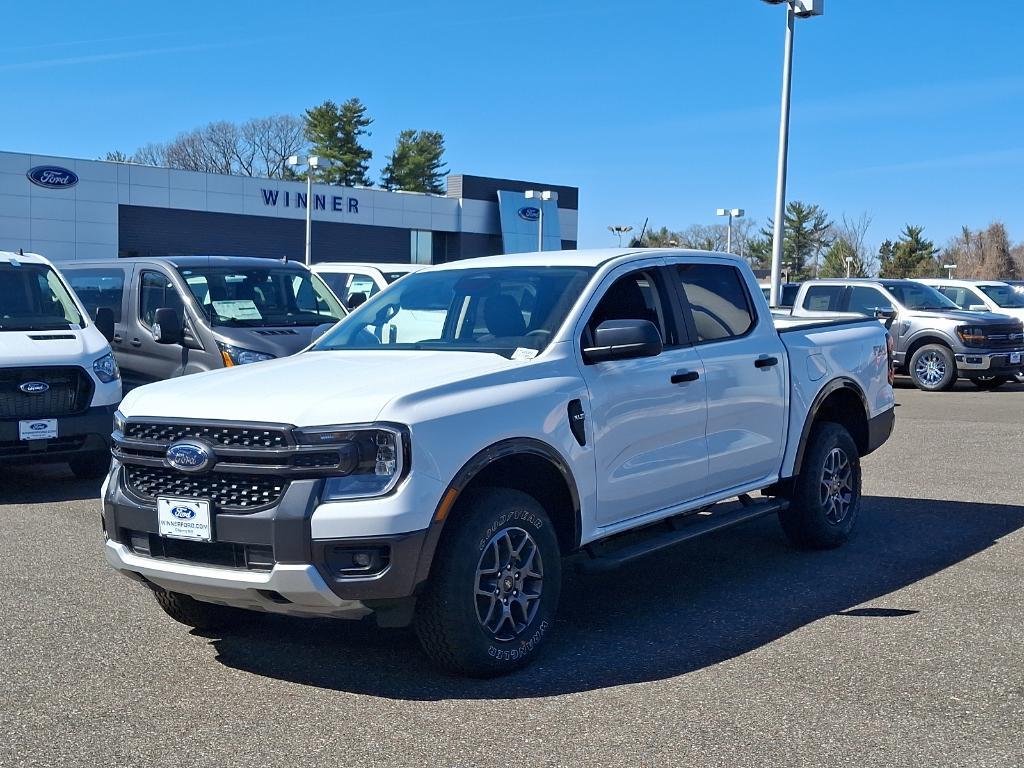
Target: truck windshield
(920,297)
(510,311)
(258,297)
(1004,296)
(33,298)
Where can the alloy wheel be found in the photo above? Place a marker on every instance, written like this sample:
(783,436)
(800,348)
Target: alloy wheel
(836,492)
(510,578)
(930,368)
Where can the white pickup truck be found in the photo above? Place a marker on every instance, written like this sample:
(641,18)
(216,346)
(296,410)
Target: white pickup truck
(600,404)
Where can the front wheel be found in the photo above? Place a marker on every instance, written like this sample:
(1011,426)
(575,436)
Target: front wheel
(195,613)
(932,368)
(826,495)
(90,466)
(989,382)
(492,596)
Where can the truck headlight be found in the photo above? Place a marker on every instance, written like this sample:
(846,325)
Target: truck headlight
(106,368)
(971,335)
(119,422)
(371,460)
(232,355)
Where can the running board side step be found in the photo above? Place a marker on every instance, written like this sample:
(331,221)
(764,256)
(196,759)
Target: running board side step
(608,554)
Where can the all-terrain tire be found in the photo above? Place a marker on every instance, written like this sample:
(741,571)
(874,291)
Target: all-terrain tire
(826,495)
(479,579)
(195,613)
(932,368)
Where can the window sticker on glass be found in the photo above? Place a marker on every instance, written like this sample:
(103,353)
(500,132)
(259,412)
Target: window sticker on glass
(237,309)
(524,353)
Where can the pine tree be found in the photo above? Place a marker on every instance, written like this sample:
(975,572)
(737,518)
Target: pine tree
(416,164)
(334,132)
(807,233)
(912,255)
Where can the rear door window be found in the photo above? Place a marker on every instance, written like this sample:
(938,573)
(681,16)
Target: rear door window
(718,300)
(865,300)
(99,288)
(823,298)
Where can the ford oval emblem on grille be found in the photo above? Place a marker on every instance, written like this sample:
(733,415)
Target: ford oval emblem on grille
(529,213)
(183,513)
(189,457)
(34,387)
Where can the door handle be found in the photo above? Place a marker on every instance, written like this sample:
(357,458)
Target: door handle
(118,338)
(766,362)
(136,342)
(681,377)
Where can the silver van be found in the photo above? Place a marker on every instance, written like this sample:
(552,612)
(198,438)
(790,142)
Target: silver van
(184,314)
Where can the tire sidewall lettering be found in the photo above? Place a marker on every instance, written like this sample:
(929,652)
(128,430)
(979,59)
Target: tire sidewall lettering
(515,515)
(522,649)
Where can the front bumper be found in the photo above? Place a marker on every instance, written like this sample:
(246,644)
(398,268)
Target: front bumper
(87,432)
(267,560)
(973,364)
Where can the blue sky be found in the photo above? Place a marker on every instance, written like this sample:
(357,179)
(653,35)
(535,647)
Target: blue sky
(909,110)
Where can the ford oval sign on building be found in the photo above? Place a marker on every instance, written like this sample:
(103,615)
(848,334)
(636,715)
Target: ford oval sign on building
(529,213)
(52,177)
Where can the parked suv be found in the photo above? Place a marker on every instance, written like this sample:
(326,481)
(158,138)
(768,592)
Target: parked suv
(355,282)
(936,342)
(607,403)
(181,315)
(59,384)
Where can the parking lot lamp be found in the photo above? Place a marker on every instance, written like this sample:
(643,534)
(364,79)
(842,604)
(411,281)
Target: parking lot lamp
(312,163)
(949,268)
(620,230)
(849,264)
(540,196)
(794,9)
(731,213)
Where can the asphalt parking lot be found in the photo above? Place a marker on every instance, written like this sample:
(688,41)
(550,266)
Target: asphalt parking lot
(904,648)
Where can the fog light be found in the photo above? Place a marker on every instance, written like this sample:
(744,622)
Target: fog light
(361,559)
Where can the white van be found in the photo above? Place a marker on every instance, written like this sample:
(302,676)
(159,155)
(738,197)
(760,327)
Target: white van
(59,384)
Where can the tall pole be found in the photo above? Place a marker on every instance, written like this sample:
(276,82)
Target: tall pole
(780,185)
(540,226)
(309,216)
(728,235)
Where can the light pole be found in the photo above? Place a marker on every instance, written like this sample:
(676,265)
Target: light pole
(949,268)
(803,9)
(849,264)
(312,163)
(620,230)
(731,213)
(540,196)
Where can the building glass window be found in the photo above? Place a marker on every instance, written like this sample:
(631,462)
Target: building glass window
(422,247)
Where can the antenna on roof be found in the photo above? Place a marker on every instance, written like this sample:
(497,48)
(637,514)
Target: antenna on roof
(642,231)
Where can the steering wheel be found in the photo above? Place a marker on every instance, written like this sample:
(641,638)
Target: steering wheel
(538,333)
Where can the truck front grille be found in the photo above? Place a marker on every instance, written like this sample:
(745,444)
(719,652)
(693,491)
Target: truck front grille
(228,492)
(228,436)
(1004,336)
(68,392)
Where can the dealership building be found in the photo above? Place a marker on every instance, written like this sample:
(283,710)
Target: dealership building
(68,209)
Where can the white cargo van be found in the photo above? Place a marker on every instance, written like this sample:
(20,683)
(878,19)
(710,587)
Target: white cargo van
(59,384)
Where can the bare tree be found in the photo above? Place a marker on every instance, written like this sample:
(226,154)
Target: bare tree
(273,139)
(853,232)
(151,154)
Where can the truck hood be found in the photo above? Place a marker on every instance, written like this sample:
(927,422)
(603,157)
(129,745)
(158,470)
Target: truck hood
(309,389)
(74,347)
(279,342)
(963,316)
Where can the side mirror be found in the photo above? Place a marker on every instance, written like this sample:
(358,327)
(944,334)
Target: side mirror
(885,313)
(355,299)
(105,322)
(624,340)
(167,326)
(320,330)
(977,308)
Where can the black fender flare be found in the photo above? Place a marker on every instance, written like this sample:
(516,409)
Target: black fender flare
(833,386)
(480,461)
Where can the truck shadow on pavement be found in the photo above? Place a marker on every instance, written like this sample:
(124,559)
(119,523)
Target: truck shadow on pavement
(703,603)
(45,484)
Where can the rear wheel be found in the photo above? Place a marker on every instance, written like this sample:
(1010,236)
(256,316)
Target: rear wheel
(932,368)
(826,495)
(492,595)
(195,613)
(90,466)
(989,382)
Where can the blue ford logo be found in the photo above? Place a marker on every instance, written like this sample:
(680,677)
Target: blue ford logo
(52,177)
(189,457)
(529,213)
(34,387)
(183,513)
(38,426)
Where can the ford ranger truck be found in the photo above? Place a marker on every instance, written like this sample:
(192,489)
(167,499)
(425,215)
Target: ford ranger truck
(59,384)
(596,404)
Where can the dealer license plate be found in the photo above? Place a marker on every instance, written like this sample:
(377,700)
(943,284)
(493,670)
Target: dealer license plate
(37,429)
(184,518)
(1014,358)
